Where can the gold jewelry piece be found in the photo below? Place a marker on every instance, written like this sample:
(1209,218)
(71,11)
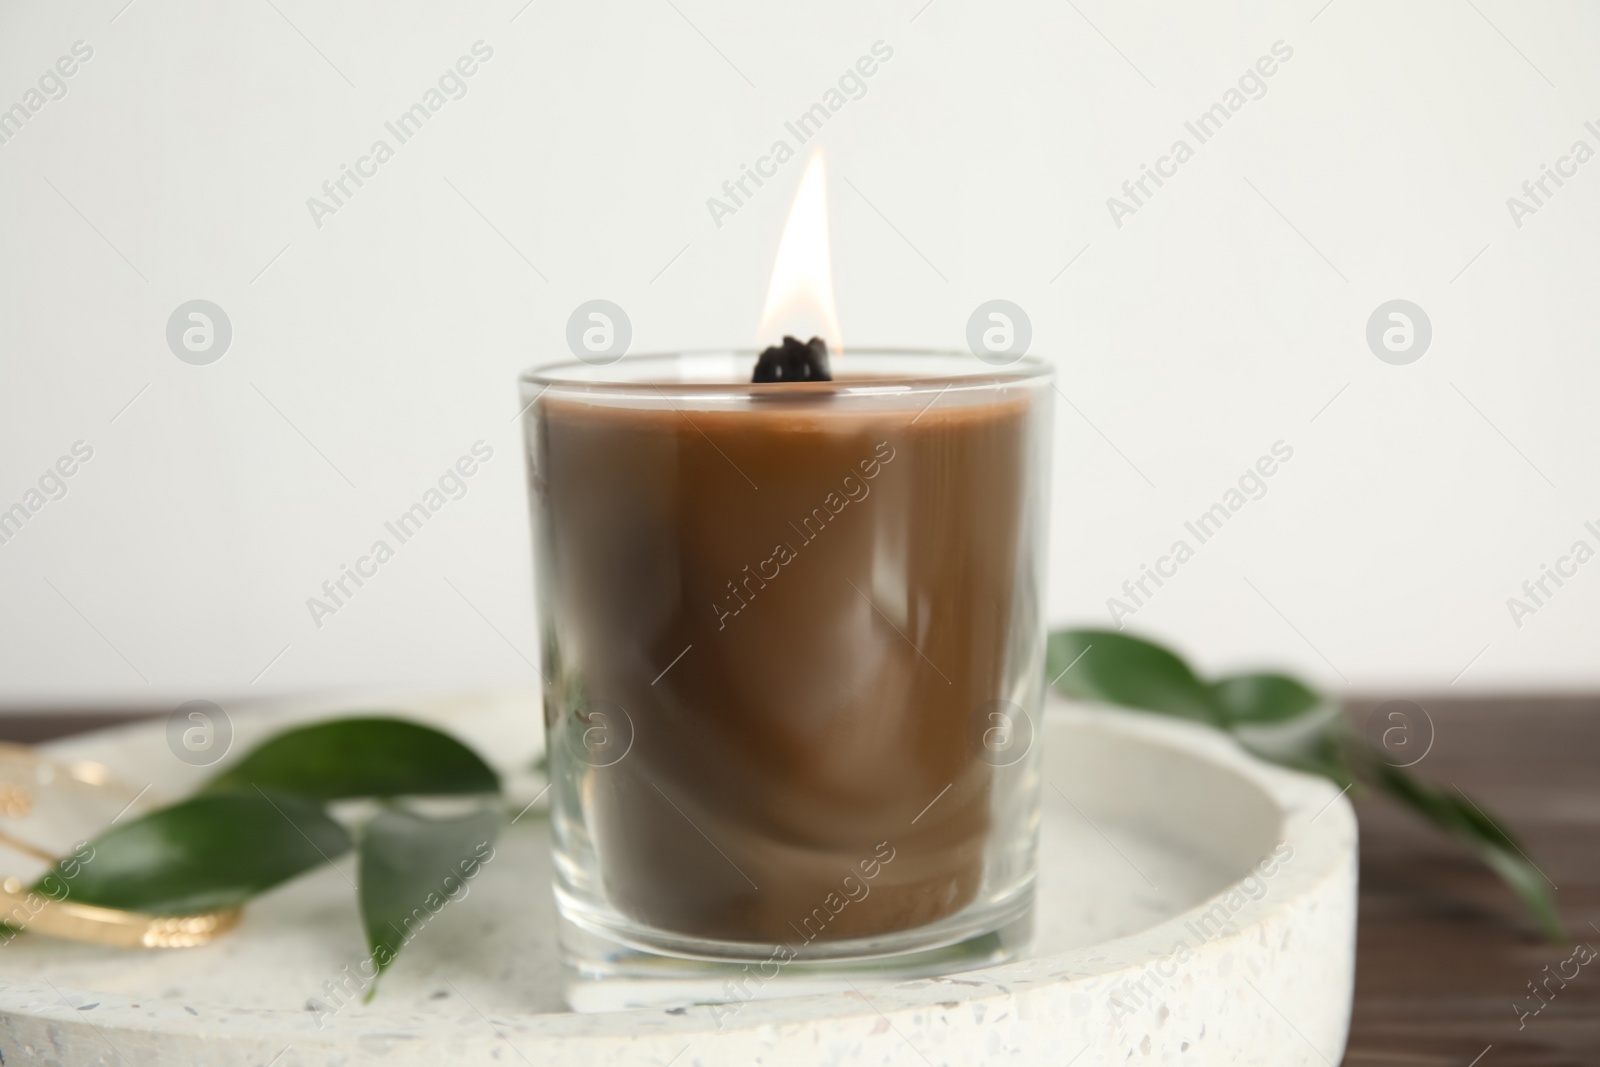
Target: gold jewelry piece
(23,908)
(109,926)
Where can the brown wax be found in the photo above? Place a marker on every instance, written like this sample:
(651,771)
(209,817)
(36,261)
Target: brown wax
(844,583)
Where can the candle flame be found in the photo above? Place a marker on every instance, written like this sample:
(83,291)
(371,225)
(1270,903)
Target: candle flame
(800,297)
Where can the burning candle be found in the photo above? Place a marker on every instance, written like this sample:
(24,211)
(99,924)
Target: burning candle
(792,637)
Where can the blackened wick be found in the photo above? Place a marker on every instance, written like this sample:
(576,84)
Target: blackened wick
(794,361)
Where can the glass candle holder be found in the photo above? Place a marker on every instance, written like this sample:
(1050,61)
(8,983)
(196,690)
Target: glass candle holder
(793,643)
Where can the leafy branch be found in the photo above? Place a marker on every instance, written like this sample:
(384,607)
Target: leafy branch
(1282,720)
(265,820)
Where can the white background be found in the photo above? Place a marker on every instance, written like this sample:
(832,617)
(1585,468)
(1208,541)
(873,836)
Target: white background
(374,350)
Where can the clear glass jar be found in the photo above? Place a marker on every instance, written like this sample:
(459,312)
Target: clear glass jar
(794,647)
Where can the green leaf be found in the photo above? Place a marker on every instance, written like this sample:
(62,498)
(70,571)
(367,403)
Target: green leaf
(1114,668)
(360,757)
(1280,719)
(1463,819)
(1262,698)
(1322,754)
(203,854)
(412,868)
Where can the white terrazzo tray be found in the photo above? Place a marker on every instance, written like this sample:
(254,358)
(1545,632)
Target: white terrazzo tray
(1161,937)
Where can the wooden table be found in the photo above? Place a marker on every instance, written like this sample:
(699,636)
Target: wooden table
(1444,950)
